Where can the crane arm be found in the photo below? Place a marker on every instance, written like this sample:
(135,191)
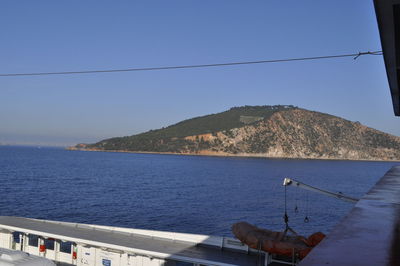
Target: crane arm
(292,182)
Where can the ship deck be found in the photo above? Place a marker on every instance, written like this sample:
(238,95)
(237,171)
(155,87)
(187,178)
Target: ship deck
(369,234)
(138,244)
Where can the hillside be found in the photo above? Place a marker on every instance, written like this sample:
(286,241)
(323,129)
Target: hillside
(267,131)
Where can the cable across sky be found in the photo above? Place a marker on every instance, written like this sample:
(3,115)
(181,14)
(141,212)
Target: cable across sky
(354,55)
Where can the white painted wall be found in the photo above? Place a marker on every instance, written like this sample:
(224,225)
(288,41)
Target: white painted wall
(5,240)
(86,256)
(107,258)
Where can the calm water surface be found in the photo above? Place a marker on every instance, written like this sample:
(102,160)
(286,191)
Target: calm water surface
(191,194)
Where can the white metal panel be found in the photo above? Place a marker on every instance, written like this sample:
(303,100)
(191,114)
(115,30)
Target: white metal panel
(135,260)
(16,246)
(144,261)
(86,256)
(5,240)
(124,259)
(107,258)
(63,256)
(34,250)
(151,261)
(138,260)
(50,254)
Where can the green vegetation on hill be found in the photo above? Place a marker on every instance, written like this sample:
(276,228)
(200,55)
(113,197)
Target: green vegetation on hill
(216,122)
(169,138)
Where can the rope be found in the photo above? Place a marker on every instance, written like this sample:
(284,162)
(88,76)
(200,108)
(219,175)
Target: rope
(368,53)
(306,219)
(286,220)
(285,216)
(354,55)
(296,208)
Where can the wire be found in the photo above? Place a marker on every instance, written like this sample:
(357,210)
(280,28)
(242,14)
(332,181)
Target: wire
(354,55)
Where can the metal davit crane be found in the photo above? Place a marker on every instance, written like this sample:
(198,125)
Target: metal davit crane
(291,182)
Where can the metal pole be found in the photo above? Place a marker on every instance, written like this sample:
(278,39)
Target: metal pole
(292,182)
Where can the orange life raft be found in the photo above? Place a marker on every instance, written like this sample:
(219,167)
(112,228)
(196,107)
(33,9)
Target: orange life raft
(275,242)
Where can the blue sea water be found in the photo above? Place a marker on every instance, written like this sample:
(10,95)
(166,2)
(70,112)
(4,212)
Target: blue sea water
(193,194)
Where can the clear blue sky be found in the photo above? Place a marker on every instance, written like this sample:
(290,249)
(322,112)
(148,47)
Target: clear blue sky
(43,36)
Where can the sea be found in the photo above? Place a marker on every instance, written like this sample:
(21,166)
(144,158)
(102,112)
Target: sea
(191,194)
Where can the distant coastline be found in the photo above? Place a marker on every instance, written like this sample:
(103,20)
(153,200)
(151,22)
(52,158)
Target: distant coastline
(239,155)
(279,131)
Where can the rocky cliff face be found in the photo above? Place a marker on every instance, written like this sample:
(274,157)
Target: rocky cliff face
(304,134)
(288,133)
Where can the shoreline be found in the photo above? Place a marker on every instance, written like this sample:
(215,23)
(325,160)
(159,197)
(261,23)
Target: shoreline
(229,155)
